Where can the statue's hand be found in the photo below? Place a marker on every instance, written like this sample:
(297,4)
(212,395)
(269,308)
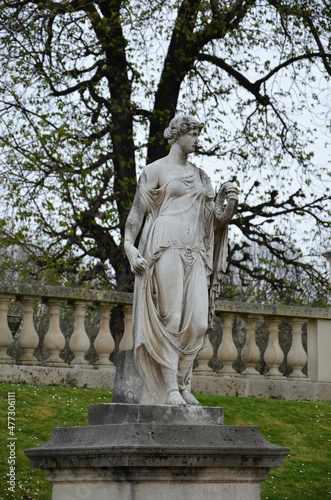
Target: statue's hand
(231,192)
(224,212)
(138,263)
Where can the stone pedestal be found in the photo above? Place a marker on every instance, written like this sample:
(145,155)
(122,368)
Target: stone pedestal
(146,452)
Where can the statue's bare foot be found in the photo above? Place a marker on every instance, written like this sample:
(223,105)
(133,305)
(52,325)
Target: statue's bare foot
(175,399)
(189,398)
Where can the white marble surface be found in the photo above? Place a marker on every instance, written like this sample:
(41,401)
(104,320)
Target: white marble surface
(175,263)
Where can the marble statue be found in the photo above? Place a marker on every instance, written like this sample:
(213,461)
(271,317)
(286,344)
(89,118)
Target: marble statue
(178,263)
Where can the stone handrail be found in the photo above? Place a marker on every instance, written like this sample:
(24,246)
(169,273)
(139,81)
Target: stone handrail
(231,362)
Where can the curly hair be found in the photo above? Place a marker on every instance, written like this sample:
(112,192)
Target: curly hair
(180,125)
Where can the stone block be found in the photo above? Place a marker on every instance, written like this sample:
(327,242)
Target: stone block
(104,414)
(147,452)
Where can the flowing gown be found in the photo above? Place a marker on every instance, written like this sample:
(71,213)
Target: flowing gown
(177,242)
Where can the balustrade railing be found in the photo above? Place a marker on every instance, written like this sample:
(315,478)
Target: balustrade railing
(255,355)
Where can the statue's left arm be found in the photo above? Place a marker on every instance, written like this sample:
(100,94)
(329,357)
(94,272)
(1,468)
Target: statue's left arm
(224,212)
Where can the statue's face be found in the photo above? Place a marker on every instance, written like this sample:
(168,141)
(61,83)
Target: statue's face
(189,141)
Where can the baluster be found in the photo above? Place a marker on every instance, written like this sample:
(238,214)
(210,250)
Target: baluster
(297,356)
(54,340)
(227,351)
(250,353)
(79,342)
(126,343)
(203,358)
(28,339)
(104,343)
(6,337)
(273,355)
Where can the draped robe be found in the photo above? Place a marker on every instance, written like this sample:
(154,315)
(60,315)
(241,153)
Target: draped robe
(179,220)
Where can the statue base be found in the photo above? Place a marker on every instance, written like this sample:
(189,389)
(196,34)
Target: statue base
(149,452)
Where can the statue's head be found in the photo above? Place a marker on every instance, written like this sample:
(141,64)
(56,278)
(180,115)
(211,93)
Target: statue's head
(180,125)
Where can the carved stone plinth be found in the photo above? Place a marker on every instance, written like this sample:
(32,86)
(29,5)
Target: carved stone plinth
(149,452)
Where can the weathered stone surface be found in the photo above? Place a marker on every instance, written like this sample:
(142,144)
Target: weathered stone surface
(151,445)
(103,378)
(144,452)
(128,385)
(294,390)
(74,376)
(161,484)
(154,440)
(104,414)
(70,294)
(45,292)
(272,309)
(319,347)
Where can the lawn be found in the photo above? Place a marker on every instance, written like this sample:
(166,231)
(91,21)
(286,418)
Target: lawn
(304,427)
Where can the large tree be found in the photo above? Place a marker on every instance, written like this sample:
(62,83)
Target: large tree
(88,87)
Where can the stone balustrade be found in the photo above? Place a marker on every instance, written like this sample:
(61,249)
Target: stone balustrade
(254,349)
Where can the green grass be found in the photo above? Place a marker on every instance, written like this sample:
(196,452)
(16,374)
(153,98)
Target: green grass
(304,427)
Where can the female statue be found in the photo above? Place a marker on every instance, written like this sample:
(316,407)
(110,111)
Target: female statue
(176,274)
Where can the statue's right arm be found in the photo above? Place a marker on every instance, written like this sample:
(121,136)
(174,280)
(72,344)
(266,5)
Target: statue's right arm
(134,223)
(132,228)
